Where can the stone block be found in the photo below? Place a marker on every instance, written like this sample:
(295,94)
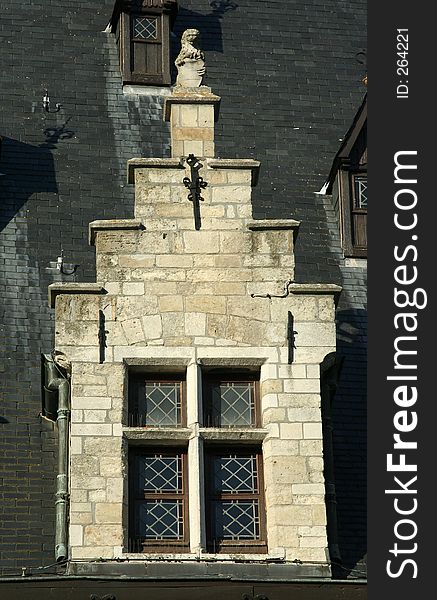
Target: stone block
(312,415)
(315,334)
(76,535)
(76,416)
(269,401)
(152,327)
(103,535)
(108,513)
(303,308)
(201,242)
(289,515)
(86,429)
(314,542)
(76,445)
(216,326)
(292,431)
(173,324)
(240,176)
(171,304)
(174,261)
(292,371)
(318,514)
(133,331)
(188,116)
(114,489)
(299,400)
(314,531)
(300,386)
(235,242)
(271,386)
(273,242)
(138,261)
(91,402)
(131,307)
(228,260)
(133,288)
(253,308)
(274,415)
(95,416)
(231,194)
(193,147)
(84,465)
(312,431)
(76,333)
(326,308)
(308,489)
(195,324)
(205,115)
(311,448)
(248,331)
(206,304)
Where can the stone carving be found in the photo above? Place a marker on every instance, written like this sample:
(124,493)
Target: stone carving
(190,61)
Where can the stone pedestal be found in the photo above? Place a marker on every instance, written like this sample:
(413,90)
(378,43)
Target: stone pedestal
(192,113)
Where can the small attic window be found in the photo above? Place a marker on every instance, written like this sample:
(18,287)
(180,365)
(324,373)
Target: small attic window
(142,30)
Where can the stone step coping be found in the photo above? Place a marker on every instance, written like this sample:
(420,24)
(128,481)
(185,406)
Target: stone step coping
(179,163)
(151,163)
(314,288)
(273,224)
(112,225)
(236,163)
(55,289)
(169,436)
(194,96)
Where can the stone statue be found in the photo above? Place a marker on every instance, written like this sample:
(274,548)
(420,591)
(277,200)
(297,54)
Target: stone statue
(190,61)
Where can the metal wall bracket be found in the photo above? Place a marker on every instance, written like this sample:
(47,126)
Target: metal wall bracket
(291,339)
(46,104)
(195,185)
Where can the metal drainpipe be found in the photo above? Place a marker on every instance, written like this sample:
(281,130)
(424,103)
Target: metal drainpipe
(62,387)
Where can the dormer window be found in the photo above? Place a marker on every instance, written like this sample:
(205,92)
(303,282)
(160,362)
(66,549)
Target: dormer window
(142,29)
(348,184)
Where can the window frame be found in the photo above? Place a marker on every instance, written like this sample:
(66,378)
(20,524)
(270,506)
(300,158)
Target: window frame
(127,41)
(226,376)
(158,546)
(347,202)
(214,546)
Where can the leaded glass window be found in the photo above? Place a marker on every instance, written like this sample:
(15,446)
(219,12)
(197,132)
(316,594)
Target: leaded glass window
(156,403)
(235,501)
(231,403)
(145,28)
(158,510)
(360,196)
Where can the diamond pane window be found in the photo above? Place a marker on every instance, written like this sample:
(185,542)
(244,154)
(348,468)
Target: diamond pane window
(235,474)
(237,520)
(158,511)
(231,404)
(161,520)
(155,403)
(145,28)
(159,473)
(235,501)
(360,196)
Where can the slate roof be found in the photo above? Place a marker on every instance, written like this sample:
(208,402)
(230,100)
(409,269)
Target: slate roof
(290,82)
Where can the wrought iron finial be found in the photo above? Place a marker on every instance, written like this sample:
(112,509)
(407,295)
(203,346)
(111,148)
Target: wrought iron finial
(195,185)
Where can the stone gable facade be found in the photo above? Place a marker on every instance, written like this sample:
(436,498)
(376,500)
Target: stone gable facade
(175,298)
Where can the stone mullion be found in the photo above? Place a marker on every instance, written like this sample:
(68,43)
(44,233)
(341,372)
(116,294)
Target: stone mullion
(196,492)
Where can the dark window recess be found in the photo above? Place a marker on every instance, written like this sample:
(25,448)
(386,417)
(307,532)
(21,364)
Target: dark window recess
(156,402)
(142,30)
(231,402)
(158,501)
(236,521)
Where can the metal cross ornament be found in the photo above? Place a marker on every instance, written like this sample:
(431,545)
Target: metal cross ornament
(195,185)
